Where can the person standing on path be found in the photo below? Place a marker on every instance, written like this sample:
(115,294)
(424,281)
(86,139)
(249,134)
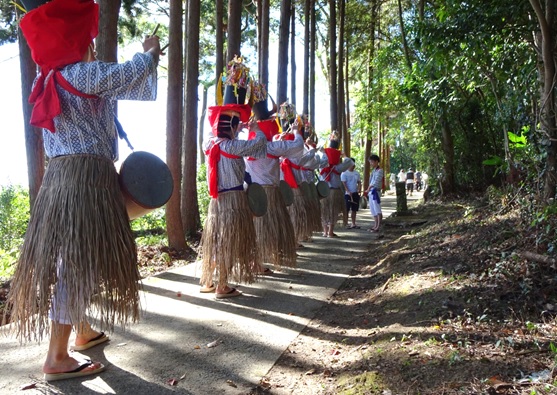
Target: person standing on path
(352,189)
(334,204)
(79,243)
(409,182)
(374,192)
(228,241)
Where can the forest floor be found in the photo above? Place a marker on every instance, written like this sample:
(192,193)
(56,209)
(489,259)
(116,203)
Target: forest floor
(444,303)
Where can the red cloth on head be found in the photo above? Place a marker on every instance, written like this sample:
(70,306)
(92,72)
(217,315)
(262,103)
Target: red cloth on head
(269,127)
(243,111)
(58,34)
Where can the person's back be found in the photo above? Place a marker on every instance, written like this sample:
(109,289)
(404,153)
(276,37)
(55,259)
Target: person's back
(409,182)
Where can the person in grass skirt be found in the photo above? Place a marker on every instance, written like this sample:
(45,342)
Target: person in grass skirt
(275,234)
(79,255)
(334,204)
(228,241)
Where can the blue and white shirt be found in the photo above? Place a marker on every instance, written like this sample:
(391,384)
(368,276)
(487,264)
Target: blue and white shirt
(86,125)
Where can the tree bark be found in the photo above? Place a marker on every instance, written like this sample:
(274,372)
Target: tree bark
(447,143)
(312,50)
(234,29)
(220,29)
(190,208)
(333,65)
(264,52)
(282,70)
(106,43)
(293,55)
(34,147)
(548,119)
(341,99)
(201,124)
(307,22)
(174,111)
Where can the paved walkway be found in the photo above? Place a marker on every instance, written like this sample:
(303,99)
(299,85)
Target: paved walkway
(171,341)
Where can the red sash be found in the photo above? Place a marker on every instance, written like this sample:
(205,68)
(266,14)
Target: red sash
(333,155)
(286,166)
(214,153)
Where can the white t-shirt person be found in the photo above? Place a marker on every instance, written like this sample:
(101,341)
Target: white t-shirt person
(351,179)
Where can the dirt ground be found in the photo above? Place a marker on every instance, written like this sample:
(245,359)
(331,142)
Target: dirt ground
(444,303)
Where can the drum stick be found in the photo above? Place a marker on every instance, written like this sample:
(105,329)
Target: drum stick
(156,29)
(163,48)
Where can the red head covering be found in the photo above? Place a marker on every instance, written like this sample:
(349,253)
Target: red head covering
(58,34)
(242,111)
(269,127)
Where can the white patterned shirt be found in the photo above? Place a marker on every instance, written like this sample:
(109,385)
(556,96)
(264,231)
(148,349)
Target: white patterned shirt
(85,125)
(266,171)
(334,180)
(231,171)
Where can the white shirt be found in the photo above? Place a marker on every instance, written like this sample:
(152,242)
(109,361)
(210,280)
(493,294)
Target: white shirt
(351,179)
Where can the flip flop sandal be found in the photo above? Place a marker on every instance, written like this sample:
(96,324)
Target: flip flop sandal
(207,290)
(91,343)
(230,294)
(79,372)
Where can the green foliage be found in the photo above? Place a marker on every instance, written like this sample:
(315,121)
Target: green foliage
(150,229)
(203,197)
(14,216)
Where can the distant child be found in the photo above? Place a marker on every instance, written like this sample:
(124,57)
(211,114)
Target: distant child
(374,192)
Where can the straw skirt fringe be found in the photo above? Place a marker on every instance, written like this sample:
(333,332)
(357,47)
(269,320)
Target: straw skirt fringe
(332,206)
(79,238)
(228,241)
(314,210)
(276,242)
(299,215)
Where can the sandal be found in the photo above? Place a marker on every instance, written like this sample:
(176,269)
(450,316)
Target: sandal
(233,292)
(208,290)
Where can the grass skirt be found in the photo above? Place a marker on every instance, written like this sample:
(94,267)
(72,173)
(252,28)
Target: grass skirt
(78,238)
(299,215)
(314,210)
(276,242)
(332,206)
(228,241)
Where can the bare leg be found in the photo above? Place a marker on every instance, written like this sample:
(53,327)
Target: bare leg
(353,217)
(84,333)
(58,359)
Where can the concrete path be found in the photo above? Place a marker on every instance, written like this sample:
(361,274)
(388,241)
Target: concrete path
(172,341)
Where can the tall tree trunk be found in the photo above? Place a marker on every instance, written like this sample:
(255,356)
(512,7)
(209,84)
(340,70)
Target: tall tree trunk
(293,55)
(190,208)
(341,99)
(264,52)
(307,22)
(447,143)
(219,55)
(403,34)
(282,70)
(106,43)
(234,28)
(548,119)
(333,65)
(346,90)
(174,111)
(374,26)
(201,123)
(34,147)
(312,49)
